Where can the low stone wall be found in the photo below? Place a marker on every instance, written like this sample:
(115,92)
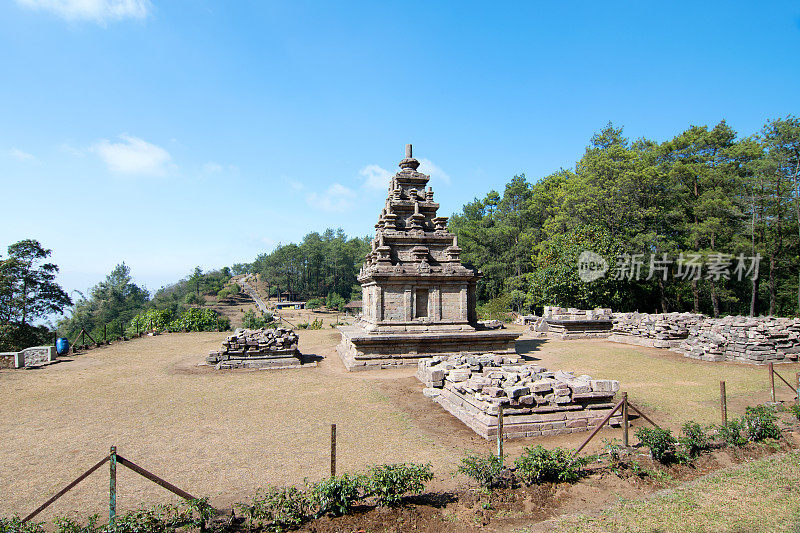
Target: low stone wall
(29,357)
(744,339)
(535,402)
(660,330)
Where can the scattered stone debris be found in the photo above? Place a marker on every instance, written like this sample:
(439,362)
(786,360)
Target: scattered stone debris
(744,339)
(535,401)
(661,330)
(259,348)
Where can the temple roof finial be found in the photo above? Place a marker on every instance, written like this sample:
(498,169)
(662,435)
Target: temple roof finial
(409,162)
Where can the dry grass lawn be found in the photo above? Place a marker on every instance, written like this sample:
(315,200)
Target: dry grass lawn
(222,434)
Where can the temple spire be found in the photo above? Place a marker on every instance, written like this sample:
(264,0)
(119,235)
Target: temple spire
(409,162)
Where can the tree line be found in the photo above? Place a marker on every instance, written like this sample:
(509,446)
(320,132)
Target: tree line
(320,265)
(721,208)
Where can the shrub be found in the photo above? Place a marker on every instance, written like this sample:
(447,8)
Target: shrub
(252,321)
(660,442)
(693,438)
(302,325)
(496,309)
(150,320)
(314,303)
(195,299)
(14,525)
(759,422)
(335,301)
(200,320)
(390,482)
(539,465)
(488,471)
(336,495)
(731,433)
(316,324)
(276,508)
(66,524)
(795,410)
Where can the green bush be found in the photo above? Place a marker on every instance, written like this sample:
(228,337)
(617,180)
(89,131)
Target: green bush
(390,482)
(759,422)
(336,495)
(335,301)
(14,525)
(314,303)
(302,325)
(276,509)
(150,320)
(539,465)
(200,320)
(195,299)
(731,433)
(661,443)
(795,410)
(252,321)
(486,470)
(496,309)
(693,438)
(165,518)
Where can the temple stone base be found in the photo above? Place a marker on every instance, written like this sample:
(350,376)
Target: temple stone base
(361,350)
(579,329)
(644,341)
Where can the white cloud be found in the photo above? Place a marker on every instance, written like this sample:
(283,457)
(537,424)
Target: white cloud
(212,168)
(18,154)
(100,11)
(375,177)
(295,185)
(426,166)
(133,156)
(337,199)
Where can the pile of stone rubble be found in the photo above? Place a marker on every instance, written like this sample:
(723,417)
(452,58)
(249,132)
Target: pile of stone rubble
(744,339)
(570,313)
(660,330)
(264,347)
(535,401)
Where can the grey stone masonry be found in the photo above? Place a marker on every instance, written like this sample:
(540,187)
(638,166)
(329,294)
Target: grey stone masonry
(756,340)
(418,298)
(535,402)
(659,330)
(258,348)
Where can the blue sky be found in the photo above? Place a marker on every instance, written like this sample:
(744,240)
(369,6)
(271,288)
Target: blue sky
(174,134)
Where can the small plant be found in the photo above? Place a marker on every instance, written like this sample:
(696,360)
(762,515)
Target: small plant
(693,439)
(302,325)
(390,482)
(276,509)
(731,433)
(759,422)
(336,495)
(14,525)
(539,465)
(613,448)
(795,410)
(661,443)
(66,524)
(252,321)
(486,470)
(316,324)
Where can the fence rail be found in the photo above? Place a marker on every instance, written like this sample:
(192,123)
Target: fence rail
(113,459)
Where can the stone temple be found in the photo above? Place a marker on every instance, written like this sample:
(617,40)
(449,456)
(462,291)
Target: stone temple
(418,298)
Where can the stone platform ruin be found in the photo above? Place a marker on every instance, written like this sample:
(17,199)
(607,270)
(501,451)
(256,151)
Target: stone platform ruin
(273,348)
(569,323)
(418,298)
(535,402)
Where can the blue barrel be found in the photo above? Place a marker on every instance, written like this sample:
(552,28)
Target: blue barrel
(62,346)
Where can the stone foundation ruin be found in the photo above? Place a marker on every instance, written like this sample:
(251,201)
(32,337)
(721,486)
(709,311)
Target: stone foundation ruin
(660,330)
(744,339)
(32,357)
(535,402)
(259,348)
(570,323)
(418,298)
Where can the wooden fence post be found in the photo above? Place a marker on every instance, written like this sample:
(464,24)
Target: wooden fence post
(771,381)
(797,377)
(333,450)
(500,433)
(625,419)
(112,488)
(723,403)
